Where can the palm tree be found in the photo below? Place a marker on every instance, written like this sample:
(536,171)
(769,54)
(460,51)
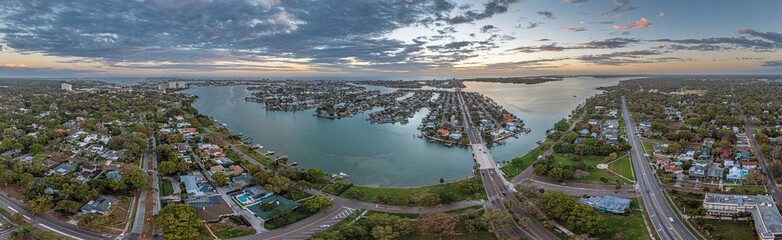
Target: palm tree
(524,221)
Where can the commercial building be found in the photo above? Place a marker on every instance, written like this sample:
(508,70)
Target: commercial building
(67,87)
(768,221)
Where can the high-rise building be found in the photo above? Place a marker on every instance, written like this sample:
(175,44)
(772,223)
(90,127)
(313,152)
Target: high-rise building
(172,85)
(67,87)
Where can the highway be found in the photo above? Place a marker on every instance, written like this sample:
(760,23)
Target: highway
(498,189)
(657,208)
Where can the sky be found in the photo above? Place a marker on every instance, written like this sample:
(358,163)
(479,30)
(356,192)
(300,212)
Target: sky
(386,39)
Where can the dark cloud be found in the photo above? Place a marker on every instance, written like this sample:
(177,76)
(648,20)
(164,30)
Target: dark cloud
(772,64)
(533,25)
(490,9)
(573,1)
(528,64)
(575,29)
(488,28)
(770,36)
(547,14)
(621,6)
(207,31)
(741,42)
(628,57)
(28,72)
(610,43)
(543,40)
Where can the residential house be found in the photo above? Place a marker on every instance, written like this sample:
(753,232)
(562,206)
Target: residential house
(100,205)
(114,174)
(191,185)
(63,168)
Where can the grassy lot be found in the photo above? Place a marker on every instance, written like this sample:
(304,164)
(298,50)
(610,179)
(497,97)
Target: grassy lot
(225,231)
(623,166)
(734,230)
(371,194)
(260,158)
(748,189)
(166,188)
(517,165)
(296,215)
(465,236)
(627,227)
(594,174)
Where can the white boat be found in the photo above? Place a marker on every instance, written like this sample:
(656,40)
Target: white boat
(257,146)
(269,153)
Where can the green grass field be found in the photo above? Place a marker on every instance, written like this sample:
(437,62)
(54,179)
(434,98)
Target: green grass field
(166,188)
(517,165)
(232,232)
(370,194)
(628,227)
(595,174)
(623,166)
(260,158)
(734,230)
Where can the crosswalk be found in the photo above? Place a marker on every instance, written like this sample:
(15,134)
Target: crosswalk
(342,213)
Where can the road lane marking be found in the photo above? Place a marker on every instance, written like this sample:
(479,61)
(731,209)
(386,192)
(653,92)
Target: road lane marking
(61,233)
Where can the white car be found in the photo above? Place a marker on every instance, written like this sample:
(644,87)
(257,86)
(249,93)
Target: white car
(324,226)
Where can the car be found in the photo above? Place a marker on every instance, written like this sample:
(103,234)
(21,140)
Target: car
(562,183)
(525,228)
(670,219)
(504,193)
(324,226)
(492,173)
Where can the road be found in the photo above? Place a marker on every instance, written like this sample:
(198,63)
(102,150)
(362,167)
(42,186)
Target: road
(141,204)
(655,203)
(49,223)
(772,183)
(497,187)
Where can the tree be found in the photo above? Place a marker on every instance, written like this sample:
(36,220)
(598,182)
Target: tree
(561,125)
(261,177)
(167,167)
(439,224)
(36,148)
(135,177)
(41,203)
(317,203)
(178,221)
(442,180)
(278,184)
(67,206)
(220,179)
(469,186)
(313,175)
(496,219)
(384,233)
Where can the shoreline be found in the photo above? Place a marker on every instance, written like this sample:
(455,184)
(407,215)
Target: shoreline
(424,183)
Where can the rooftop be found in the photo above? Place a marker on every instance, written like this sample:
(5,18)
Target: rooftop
(768,221)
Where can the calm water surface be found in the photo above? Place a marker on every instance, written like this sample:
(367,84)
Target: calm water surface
(389,155)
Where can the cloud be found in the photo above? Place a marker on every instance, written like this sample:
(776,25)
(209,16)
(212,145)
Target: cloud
(741,42)
(547,14)
(31,72)
(610,43)
(575,29)
(14,65)
(573,1)
(490,9)
(528,64)
(641,23)
(621,6)
(772,64)
(627,57)
(661,14)
(771,36)
(543,40)
(533,25)
(200,31)
(488,28)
